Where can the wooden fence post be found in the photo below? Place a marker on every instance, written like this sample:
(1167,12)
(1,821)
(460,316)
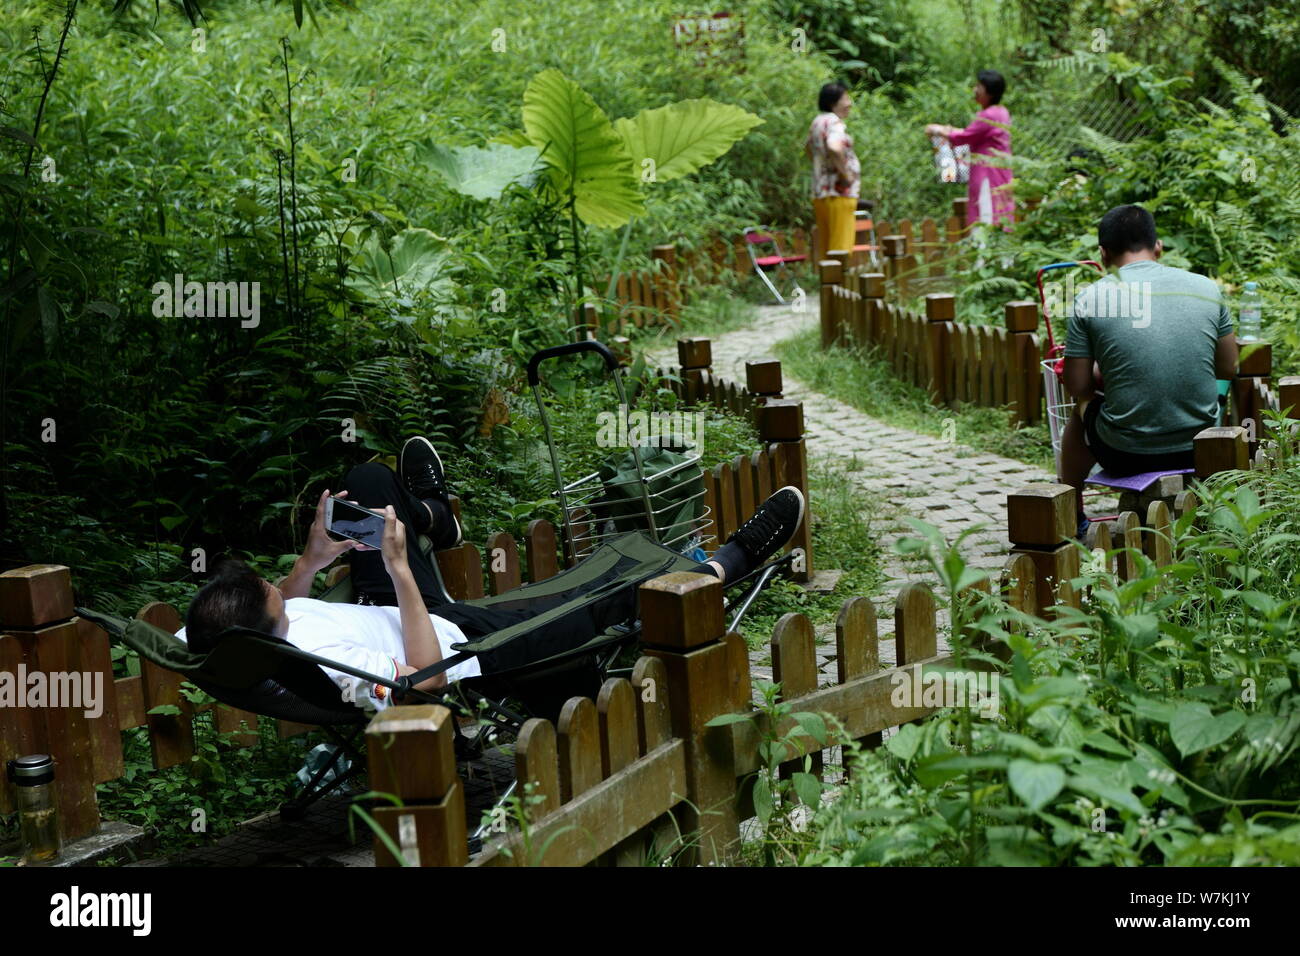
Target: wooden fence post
(1041,523)
(872,287)
(940,310)
(931,248)
(666,285)
(956,226)
(781,422)
(586,323)
(1156,531)
(503,563)
(411,755)
(895,250)
(695,360)
(683,626)
(1220,449)
(794,667)
(1254,368)
(41,634)
(1022,359)
(1288,395)
(1288,402)
(857,650)
(1126,534)
(539,549)
(832,273)
(763,380)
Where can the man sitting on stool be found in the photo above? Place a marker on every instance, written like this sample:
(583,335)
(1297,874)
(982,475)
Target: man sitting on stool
(1159,337)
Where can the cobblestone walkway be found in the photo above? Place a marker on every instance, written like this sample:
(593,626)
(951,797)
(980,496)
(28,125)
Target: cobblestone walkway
(908,473)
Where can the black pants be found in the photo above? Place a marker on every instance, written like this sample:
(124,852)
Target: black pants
(375,485)
(1120,463)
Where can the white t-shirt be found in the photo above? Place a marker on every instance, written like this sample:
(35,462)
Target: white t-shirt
(365,637)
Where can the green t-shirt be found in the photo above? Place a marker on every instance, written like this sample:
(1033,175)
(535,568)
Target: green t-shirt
(1153,330)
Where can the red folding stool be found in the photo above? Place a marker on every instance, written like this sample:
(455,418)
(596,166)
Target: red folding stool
(755,238)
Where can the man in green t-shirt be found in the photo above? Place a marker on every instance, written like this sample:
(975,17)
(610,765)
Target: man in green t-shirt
(1159,338)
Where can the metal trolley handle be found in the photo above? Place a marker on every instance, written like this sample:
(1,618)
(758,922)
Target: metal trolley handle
(587,345)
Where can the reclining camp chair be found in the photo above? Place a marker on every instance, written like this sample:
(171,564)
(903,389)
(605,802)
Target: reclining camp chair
(755,238)
(269,676)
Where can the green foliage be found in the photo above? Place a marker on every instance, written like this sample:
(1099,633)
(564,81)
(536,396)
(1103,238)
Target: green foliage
(481,173)
(1156,725)
(390,295)
(878,41)
(591,169)
(680,138)
(783,732)
(404,265)
(228,783)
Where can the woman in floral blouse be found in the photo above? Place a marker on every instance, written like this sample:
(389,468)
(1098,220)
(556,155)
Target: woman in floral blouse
(836,174)
(989,138)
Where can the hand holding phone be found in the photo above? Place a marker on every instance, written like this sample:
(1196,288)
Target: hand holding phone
(346,520)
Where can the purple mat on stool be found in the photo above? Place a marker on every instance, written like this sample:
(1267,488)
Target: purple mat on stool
(1140,482)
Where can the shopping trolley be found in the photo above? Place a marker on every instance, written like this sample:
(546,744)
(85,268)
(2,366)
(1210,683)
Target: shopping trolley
(666,499)
(1059,405)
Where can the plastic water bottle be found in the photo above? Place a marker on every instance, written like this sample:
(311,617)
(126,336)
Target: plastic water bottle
(1249,319)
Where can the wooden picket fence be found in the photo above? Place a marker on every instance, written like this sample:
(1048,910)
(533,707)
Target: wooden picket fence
(1041,518)
(911,254)
(928,247)
(983,365)
(638,773)
(957,363)
(646,297)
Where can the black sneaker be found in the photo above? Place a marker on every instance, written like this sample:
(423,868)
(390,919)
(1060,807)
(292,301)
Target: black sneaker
(771,526)
(421,471)
(1082,530)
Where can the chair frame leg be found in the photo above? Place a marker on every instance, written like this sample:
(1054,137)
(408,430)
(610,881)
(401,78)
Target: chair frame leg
(762,274)
(312,791)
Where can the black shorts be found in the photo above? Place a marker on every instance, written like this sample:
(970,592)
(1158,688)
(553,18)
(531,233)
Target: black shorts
(1121,463)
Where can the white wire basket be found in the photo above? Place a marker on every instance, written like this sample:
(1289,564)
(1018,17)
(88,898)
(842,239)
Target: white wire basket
(1059,407)
(590,519)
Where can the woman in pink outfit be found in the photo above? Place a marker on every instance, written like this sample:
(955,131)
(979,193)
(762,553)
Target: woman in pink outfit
(989,138)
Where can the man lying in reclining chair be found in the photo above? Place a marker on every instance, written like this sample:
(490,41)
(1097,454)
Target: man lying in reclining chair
(1160,337)
(401,622)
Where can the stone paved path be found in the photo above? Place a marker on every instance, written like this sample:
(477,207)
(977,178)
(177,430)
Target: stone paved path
(908,473)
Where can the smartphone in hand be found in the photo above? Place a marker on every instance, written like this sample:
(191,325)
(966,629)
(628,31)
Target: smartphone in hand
(347,520)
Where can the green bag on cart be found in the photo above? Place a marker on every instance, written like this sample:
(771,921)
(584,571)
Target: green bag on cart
(676,489)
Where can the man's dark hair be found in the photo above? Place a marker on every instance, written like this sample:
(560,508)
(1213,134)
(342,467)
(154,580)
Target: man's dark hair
(829,96)
(994,84)
(1126,229)
(234,596)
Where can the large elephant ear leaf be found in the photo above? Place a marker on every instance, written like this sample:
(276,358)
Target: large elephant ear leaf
(415,261)
(483,173)
(682,137)
(579,143)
